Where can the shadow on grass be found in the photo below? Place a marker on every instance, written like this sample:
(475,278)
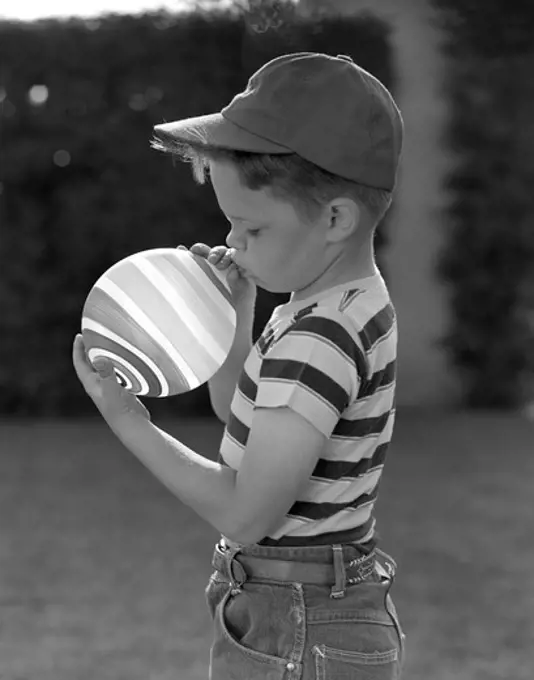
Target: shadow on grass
(103,570)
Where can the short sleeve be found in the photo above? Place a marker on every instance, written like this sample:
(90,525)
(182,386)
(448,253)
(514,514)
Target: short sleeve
(315,368)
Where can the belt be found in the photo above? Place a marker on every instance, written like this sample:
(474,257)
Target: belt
(245,567)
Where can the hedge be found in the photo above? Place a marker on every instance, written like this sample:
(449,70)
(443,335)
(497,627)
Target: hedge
(489,260)
(81,187)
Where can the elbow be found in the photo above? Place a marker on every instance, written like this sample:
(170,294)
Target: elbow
(220,415)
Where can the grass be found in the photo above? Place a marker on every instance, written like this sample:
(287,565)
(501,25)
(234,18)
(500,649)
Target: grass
(102,570)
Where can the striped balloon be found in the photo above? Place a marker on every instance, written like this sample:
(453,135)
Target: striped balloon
(165,319)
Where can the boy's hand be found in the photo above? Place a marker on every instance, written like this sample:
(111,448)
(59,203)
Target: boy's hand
(243,289)
(110,398)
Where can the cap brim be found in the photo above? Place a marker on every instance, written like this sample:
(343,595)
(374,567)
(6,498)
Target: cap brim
(216,130)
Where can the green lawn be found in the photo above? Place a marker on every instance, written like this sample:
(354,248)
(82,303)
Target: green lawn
(102,570)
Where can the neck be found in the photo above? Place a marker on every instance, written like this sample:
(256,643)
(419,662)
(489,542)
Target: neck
(348,265)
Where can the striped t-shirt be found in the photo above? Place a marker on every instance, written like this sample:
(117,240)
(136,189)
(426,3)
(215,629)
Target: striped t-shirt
(332,359)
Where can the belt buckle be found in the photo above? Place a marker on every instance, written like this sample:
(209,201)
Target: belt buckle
(238,579)
(241,576)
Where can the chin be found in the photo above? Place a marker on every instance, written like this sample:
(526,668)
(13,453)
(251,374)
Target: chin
(272,288)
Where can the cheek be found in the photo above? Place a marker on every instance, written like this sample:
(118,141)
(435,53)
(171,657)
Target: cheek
(283,259)
(278,256)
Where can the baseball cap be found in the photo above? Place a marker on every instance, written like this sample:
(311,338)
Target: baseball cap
(324,108)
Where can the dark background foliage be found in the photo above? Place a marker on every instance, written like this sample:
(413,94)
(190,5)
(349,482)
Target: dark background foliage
(489,260)
(81,187)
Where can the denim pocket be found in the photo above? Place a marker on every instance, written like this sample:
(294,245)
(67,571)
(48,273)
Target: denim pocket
(392,611)
(340,664)
(356,637)
(250,642)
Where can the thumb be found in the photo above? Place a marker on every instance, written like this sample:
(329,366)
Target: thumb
(104,367)
(234,276)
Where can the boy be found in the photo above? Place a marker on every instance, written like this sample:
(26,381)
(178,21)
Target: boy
(303,164)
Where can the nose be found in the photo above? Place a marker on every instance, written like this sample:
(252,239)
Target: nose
(234,240)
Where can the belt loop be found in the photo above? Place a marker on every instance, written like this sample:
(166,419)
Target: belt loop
(338,589)
(391,565)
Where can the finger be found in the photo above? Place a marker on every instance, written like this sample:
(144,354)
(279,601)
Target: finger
(234,275)
(216,254)
(200,249)
(82,365)
(226,260)
(181,248)
(105,368)
(79,354)
(85,369)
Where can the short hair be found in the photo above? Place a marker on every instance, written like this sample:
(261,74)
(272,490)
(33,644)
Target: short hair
(289,177)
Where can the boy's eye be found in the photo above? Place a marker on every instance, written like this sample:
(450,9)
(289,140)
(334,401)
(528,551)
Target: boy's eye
(253,232)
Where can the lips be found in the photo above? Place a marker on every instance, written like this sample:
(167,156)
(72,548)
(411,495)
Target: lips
(232,253)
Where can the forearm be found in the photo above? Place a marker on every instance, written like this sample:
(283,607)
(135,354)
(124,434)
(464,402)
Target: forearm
(207,487)
(222,385)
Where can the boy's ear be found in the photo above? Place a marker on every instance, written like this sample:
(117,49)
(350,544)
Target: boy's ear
(345,219)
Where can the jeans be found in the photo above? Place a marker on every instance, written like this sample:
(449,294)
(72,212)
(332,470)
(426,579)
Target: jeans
(281,630)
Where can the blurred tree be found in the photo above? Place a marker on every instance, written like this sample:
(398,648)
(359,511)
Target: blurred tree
(81,187)
(490,256)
